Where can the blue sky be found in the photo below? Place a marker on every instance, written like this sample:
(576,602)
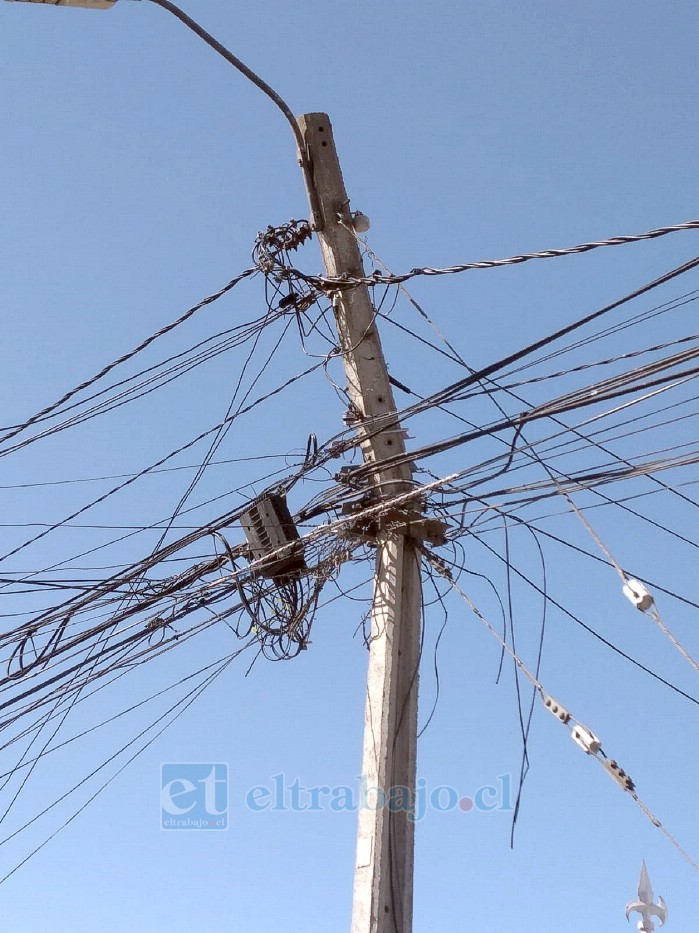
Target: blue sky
(137,169)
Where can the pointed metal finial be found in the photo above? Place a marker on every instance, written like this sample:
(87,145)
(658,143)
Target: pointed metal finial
(645,905)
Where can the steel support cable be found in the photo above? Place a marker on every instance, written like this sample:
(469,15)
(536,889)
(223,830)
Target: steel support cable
(530,452)
(324,529)
(586,480)
(533,380)
(109,405)
(136,393)
(621,408)
(112,476)
(648,369)
(145,601)
(123,661)
(642,468)
(591,391)
(546,413)
(567,447)
(266,89)
(652,611)
(105,722)
(587,628)
(588,477)
(415,495)
(127,661)
(125,575)
(454,357)
(26,576)
(623,383)
(412,495)
(444,571)
(79,603)
(225,426)
(479,376)
(487,506)
(530,526)
(178,364)
(60,707)
(149,599)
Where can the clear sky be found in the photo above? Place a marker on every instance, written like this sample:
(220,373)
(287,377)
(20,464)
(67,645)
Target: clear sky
(137,168)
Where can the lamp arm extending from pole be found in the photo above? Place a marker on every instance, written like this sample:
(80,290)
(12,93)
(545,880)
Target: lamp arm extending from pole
(304,161)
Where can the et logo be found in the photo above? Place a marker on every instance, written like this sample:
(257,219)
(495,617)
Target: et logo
(194,795)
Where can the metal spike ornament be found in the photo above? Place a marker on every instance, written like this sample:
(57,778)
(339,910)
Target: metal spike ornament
(645,904)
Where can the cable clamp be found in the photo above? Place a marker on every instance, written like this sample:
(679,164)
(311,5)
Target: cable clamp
(619,775)
(555,708)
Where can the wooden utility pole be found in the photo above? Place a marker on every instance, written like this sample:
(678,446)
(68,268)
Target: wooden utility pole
(383,884)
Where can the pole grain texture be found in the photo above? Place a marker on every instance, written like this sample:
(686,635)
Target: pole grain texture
(383,884)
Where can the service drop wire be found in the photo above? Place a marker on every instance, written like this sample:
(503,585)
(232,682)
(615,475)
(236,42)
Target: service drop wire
(451,392)
(148,600)
(225,425)
(158,463)
(626,579)
(174,712)
(126,356)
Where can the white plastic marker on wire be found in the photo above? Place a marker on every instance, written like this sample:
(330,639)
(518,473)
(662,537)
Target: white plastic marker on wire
(634,590)
(581,735)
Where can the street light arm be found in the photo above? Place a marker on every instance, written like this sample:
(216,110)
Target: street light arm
(265,88)
(304,160)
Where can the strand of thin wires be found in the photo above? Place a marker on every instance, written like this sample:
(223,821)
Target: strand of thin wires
(160,462)
(156,728)
(151,611)
(455,391)
(29,763)
(146,631)
(491,387)
(57,406)
(642,372)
